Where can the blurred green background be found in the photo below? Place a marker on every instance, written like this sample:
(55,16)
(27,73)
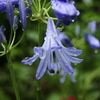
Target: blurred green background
(87,75)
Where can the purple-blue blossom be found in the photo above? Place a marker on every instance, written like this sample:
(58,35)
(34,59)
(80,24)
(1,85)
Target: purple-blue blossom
(54,56)
(94,42)
(65,11)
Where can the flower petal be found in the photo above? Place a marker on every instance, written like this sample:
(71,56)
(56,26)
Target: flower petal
(10,12)
(65,64)
(41,68)
(72,51)
(22,11)
(29,61)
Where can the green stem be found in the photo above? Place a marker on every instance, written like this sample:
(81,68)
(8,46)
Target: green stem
(13,76)
(11,34)
(39,44)
(40,35)
(35,6)
(12,40)
(39,5)
(44,3)
(18,41)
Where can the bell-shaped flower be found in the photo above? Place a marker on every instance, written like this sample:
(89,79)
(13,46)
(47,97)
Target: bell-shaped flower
(22,12)
(94,42)
(2,36)
(53,54)
(65,11)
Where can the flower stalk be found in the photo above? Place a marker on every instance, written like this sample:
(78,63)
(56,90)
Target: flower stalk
(13,76)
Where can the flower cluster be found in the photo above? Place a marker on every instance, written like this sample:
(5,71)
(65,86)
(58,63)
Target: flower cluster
(54,56)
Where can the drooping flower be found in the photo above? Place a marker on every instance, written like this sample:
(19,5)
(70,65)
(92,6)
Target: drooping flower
(22,12)
(53,54)
(65,11)
(2,36)
(94,42)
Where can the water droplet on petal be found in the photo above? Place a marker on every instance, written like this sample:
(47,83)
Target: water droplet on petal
(26,58)
(72,20)
(42,55)
(20,21)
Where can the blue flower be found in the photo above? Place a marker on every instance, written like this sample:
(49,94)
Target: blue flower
(22,11)
(94,42)
(53,54)
(2,36)
(65,11)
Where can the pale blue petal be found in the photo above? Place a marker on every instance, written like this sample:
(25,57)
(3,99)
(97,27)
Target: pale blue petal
(72,78)
(72,51)
(41,68)
(30,60)
(62,76)
(72,59)
(65,64)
